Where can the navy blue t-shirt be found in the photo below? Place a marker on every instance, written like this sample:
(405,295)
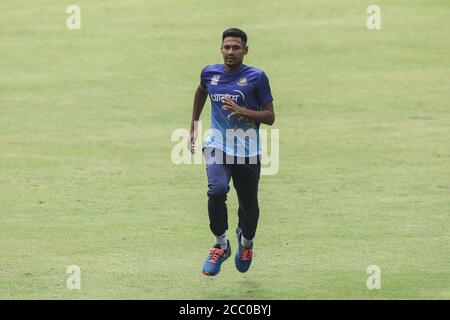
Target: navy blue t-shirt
(249,87)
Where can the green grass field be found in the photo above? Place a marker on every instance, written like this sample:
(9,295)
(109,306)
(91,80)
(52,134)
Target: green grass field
(85,171)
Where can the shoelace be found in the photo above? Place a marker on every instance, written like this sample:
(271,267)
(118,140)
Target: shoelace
(246,254)
(215,254)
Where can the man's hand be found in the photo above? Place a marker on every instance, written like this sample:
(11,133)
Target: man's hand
(229,104)
(191,140)
(265,115)
(199,101)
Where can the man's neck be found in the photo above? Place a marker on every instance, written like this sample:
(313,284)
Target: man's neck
(233,68)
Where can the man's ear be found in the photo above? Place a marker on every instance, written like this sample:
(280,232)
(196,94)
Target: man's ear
(246,50)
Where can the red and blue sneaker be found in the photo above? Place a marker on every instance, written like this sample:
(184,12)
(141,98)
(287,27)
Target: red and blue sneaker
(216,257)
(243,258)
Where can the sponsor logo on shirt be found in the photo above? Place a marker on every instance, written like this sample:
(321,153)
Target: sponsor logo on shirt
(215,80)
(242,82)
(220,97)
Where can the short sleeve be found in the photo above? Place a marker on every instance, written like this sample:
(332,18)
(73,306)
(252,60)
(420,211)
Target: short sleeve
(263,93)
(203,79)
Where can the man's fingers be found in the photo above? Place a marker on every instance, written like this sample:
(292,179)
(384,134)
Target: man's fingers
(227,107)
(230,102)
(231,114)
(230,105)
(191,144)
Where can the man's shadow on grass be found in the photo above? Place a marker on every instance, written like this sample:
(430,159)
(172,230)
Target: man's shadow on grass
(242,289)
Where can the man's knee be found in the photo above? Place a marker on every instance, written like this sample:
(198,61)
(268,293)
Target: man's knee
(218,191)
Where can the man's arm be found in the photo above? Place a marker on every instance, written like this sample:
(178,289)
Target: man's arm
(266,115)
(199,102)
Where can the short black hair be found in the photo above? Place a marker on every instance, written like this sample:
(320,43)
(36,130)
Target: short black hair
(235,32)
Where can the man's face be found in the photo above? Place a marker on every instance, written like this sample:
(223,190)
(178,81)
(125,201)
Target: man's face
(233,51)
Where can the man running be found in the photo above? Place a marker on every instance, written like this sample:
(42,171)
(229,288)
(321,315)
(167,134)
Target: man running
(240,101)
